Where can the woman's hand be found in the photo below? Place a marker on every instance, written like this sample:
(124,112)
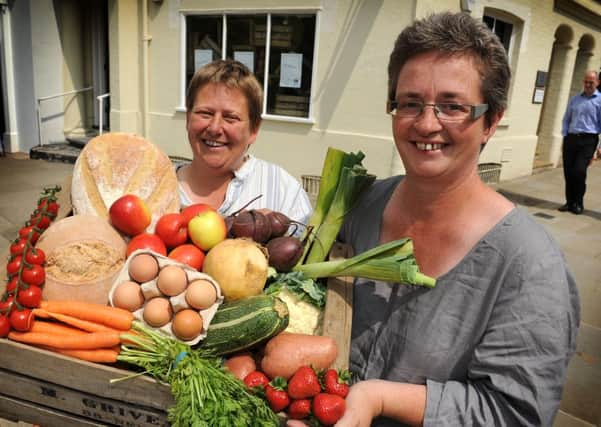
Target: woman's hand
(362,405)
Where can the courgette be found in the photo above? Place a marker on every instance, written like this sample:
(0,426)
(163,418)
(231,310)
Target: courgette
(242,324)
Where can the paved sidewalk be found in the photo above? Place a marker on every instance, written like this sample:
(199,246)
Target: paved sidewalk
(21,181)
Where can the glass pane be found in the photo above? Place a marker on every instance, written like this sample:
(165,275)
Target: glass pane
(203,42)
(246,42)
(290,65)
(503,30)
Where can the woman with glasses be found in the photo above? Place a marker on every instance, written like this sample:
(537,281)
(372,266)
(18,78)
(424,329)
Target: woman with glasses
(223,117)
(490,344)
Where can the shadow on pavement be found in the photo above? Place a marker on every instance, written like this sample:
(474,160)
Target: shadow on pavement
(522,199)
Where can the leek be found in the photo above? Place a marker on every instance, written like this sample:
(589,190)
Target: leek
(332,206)
(389,262)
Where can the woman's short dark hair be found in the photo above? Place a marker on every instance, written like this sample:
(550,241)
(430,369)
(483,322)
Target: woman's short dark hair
(456,34)
(232,74)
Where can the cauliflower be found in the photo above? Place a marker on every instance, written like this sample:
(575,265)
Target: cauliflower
(305,318)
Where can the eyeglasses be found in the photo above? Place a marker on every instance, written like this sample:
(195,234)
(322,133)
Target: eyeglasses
(445,111)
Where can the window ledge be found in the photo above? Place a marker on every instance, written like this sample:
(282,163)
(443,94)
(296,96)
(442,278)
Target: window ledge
(289,119)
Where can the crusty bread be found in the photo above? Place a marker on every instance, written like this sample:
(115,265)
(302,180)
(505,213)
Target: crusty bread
(84,256)
(114,164)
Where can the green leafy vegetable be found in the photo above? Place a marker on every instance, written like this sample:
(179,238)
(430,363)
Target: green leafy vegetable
(303,287)
(205,393)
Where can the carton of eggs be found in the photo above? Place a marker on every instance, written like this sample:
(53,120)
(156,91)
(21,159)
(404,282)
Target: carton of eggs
(167,295)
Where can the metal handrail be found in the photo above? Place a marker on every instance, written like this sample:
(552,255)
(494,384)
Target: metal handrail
(45,98)
(100,99)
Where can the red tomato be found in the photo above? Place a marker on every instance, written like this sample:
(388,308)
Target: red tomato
(34,275)
(7,305)
(21,320)
(13,266)
(40,220)
(30,297)
(188,254)
(17,247)
(12,285)
(146,241)
(26,231)
(4,326)
(51,206)
(35,256)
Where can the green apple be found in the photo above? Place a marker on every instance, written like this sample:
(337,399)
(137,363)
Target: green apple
(207,229)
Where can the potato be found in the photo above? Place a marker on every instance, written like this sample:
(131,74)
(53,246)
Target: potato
(241,364)
(287,352)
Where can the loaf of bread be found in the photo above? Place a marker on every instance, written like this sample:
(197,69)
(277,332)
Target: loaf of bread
(84,255)
(114,164)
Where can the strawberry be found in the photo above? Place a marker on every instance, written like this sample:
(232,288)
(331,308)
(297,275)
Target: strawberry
(276,394)
(328,408)
(336,382)
(299,409)
(256,379)
(304,383)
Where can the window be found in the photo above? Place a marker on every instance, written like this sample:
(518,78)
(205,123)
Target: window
(501,28)
(279,48)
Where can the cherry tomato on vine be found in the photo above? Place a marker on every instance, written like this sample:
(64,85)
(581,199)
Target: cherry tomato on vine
(40,220)
(7,305)
(21,320)
(24,233)
(34,275)
(30,297)
(17,247)
(51,206)
(35,256)
(13,266)
(12,285)
(4,326)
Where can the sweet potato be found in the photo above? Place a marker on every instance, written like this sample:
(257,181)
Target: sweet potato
(240,364)
(286,352)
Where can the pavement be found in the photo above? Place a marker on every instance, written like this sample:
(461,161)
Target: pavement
(22,180)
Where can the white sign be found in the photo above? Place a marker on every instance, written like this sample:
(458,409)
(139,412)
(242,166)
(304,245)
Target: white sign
(291,70)
(247,58)
(539,94)
(202,57)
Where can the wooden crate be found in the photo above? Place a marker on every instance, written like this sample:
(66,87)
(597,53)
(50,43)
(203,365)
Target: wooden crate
(46,388)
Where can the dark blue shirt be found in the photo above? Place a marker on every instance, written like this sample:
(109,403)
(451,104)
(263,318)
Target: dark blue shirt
(583,114)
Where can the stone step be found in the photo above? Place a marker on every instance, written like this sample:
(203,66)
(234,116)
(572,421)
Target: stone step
(56,152)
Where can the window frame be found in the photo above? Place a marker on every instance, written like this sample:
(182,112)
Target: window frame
(315,11)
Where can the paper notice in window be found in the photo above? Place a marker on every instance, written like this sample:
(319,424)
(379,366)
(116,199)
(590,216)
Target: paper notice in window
(291,70)
(202,57)
(247,58)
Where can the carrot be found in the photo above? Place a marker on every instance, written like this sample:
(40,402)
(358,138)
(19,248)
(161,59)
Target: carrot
(98,355)
(89,341)
(54,328)
(84,325)
(113,317)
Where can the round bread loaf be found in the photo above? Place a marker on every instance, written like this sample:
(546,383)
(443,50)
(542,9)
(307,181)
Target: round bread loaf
(84,255)
(114,164)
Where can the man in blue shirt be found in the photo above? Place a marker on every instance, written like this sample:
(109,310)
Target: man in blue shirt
(580,129)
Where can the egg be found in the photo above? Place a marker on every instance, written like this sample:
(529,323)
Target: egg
(128,295)
(201,294)
(172,280)
(187,324)
(143,268)
(157,312)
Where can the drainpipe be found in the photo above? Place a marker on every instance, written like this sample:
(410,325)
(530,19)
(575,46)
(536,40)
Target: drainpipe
(11,142)
(146,38)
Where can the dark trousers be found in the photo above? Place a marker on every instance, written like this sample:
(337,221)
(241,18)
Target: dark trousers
(577,150)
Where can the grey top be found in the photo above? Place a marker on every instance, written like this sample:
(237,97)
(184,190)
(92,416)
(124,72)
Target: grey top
(491,341)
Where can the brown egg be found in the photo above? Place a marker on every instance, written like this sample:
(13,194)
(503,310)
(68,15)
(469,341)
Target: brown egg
(201,294)
(187,324)
(157,312)
(172,280)
(143,267)
(128,295)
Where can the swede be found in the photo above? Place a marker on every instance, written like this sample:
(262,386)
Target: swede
(239,266)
